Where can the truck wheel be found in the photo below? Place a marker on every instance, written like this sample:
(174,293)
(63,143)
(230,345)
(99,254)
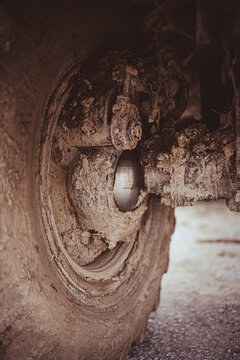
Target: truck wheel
(65,293)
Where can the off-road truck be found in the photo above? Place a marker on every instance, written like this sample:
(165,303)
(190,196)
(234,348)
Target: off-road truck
(112,113)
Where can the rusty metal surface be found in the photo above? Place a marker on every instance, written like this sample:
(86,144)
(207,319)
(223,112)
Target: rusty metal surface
(198,167)
(126,127)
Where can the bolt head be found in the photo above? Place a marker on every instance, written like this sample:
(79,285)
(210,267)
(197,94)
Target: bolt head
(135,130)
(116,108)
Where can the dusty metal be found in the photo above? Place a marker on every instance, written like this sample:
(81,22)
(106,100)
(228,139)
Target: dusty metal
(91,189)
(199,166)
(113,108)
(126,127)
(93,119)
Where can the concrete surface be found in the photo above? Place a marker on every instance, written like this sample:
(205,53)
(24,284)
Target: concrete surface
(199,314)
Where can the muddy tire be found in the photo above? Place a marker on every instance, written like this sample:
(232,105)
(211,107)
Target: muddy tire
(43,314)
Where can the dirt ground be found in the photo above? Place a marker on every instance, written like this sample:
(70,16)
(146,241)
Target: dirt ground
(199,314)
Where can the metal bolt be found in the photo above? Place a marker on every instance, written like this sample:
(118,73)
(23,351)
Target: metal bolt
(116,108)
(85,237)
(135,130)
(237,196)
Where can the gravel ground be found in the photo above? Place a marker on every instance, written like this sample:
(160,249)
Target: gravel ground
(199,315)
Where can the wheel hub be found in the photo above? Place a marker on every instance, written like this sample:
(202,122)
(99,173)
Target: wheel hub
(92,190)
(128,181)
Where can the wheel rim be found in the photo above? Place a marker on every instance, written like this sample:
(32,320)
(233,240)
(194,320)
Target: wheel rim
(112,267)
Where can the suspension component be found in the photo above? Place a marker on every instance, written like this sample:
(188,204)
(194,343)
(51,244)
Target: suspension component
(199,166)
